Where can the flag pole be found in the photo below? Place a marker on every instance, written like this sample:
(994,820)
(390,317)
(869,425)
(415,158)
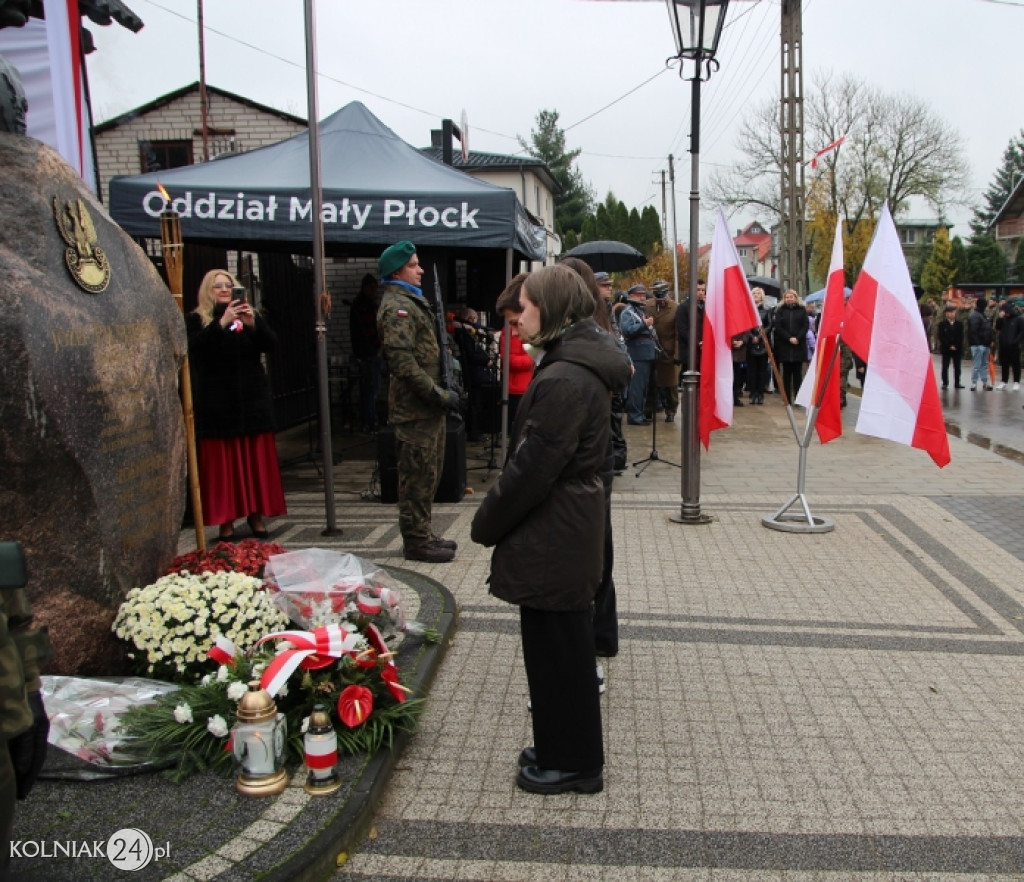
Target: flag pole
(171,243)
(795,523)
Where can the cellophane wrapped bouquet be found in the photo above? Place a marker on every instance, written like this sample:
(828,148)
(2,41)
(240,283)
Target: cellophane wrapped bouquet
(316,587)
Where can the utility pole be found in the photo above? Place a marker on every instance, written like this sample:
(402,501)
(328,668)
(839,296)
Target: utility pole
(664,215)
(792,250)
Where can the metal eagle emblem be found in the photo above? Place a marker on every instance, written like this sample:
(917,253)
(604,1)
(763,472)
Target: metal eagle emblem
(85,259)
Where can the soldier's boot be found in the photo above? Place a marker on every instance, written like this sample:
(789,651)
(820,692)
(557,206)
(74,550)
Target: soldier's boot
(429,552)
(444,543)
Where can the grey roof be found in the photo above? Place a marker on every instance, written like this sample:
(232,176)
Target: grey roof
(480,161)
(1014,205)
(171,97)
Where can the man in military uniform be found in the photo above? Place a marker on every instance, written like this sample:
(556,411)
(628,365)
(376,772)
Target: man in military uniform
(416,401)
(666,371)
(23,722)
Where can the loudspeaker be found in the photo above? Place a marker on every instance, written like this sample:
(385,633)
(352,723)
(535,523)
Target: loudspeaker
(453,475)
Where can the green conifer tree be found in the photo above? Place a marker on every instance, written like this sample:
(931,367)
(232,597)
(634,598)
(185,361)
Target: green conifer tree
(939,271)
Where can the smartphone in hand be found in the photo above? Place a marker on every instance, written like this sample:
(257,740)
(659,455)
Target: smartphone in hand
(238,294)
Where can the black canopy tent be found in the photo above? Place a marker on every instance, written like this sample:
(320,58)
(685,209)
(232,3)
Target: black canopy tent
(377,190)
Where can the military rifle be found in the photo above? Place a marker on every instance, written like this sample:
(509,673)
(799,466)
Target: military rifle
(448,380)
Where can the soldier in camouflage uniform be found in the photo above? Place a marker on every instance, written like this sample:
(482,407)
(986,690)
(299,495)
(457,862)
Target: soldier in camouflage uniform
(23,722)
(416,401)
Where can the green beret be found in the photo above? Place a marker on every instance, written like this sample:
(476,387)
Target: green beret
(395,257)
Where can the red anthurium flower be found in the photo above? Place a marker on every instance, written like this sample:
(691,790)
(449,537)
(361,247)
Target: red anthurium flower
(389,674)
(355,704)
(366,659)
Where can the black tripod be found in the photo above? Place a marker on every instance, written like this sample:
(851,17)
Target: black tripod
(653,455)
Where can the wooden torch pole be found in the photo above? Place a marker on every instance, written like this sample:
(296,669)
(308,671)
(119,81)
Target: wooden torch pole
(170,239)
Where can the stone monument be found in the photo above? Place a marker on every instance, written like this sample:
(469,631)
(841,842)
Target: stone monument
(92,447)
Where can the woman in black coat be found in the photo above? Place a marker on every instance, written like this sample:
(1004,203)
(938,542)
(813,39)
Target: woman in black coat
(238,470)
(1010,331)
(545,515)
(789,339)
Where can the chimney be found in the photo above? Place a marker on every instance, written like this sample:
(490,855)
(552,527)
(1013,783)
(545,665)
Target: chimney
(436,138)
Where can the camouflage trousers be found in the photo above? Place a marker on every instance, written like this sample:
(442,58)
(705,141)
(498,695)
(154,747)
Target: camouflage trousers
(420,449)
(845,366)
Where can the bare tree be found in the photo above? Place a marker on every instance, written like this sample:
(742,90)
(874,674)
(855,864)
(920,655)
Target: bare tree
(896,148)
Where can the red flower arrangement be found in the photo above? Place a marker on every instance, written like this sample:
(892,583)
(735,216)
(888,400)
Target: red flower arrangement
(355,704)
(248,556)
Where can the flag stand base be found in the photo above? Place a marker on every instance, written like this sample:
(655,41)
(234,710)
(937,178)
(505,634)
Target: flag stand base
(795,522)
(788,521)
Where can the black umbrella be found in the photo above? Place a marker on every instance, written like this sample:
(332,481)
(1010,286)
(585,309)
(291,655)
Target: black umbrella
(771,286)
(610,257)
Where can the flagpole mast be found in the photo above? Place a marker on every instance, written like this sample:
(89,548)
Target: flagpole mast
(321,297)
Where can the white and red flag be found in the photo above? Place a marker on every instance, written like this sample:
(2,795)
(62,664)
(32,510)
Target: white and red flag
(728,310)
(828,148)
(883,326)
(821,382)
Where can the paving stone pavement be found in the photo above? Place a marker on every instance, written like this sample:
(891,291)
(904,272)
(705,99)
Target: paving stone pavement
(784,706)
(831,706)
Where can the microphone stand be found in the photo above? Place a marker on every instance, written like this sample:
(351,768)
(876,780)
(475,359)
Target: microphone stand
(653,455)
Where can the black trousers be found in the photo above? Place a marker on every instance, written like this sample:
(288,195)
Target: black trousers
(1009,360)
(606,621)
(954,359)
(558,652)
(757,373)
(792,374)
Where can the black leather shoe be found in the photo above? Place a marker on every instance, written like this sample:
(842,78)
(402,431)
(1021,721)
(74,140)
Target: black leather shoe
(441,542)
(958,386)
(536,780)
(528,757)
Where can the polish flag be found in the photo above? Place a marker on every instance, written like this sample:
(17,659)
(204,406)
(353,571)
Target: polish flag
(728,310)
(820,386)
(827,149)
(883,326)
(223,651)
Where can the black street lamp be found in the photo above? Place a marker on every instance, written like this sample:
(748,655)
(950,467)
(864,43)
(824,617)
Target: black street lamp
(696,26)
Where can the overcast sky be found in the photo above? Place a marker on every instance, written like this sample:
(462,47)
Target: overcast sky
(601,65)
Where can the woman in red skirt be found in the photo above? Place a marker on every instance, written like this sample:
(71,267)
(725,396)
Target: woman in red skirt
(238,470)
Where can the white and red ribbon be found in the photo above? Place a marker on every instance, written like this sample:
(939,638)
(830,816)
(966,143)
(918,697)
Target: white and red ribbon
(223,651)
(367,603)
(310,649)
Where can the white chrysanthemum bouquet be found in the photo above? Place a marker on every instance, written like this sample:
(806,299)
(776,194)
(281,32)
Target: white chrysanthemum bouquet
(171,624)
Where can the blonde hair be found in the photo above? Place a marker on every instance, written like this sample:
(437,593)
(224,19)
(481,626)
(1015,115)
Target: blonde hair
(561,296)
(207,299)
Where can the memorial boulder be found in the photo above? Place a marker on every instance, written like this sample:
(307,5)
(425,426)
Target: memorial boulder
(92,442)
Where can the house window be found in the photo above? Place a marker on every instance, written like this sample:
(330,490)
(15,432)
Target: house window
(160,155)
(908,237)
